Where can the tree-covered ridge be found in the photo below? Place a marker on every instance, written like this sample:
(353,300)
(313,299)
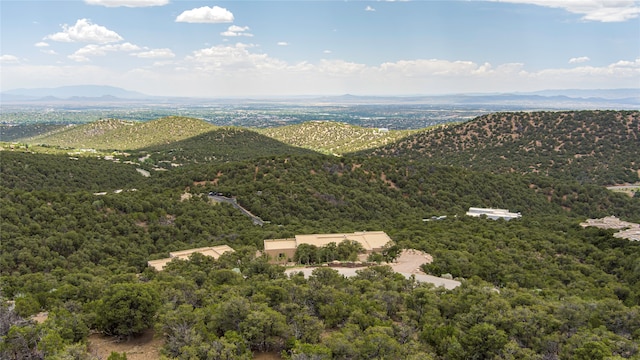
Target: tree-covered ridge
(20,132)
(539,287)
(549,288)
(25,171)
(125,135)
(220,145)
(332,137)
(587,146)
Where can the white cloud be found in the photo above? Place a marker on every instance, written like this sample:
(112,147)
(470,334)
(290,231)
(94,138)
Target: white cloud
(155,54)
(85,31)
(9,59)
(242,70)
(83,54)
(433,67)
(232,57)
(592,10)
(340,67)
(326,52)
(579,60)
(206,14)
(48,52)
(235,30)
(369,8)
(41,44)
(127,3)
(283,43)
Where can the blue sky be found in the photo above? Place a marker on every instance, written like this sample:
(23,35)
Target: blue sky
(271,48)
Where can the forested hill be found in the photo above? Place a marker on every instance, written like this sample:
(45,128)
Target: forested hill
(223,144)
(333,137)
(125,135)
(75,246)
(588,146)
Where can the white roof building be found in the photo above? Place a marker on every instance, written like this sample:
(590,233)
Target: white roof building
(494,214)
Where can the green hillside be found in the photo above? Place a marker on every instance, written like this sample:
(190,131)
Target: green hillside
(125,135)
(21,132)
(223,144)
(588,146)
(334,137)
(77,233)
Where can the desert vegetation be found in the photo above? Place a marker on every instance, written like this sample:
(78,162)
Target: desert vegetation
(77,234)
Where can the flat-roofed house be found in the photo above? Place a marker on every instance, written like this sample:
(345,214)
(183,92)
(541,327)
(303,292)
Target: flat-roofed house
(494,214)
(281,250)
(212,251)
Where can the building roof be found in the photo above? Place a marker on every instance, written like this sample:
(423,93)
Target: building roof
(159,264)
(183,254)
(280,244)
(628,230)
(369,240)
(212,251)
(493,213)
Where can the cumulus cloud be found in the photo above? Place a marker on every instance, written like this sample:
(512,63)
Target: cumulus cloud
(326,52)
(578,60)
(283,43)
(41,44)
(48,52)
(9,59)
(206,14)
(369,8)
(592,10)
(235,30)
(232,57)
(127,3)
(85,31)
(83,54)
(242,70)
(155,54)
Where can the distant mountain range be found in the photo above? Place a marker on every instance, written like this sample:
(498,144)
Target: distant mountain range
(70,92)
(546,99)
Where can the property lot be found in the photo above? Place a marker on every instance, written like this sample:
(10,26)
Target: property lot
(407,264)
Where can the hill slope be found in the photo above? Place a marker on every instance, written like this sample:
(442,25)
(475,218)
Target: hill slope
(589,146)
(125,135)
(222,144)
(334,137)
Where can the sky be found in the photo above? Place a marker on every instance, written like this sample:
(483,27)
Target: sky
(244,48)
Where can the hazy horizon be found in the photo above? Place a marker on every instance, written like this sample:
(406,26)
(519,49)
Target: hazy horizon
(319,48)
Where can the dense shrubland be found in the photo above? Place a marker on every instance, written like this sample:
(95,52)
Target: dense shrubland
(587,146)
(541,287)
(334,137)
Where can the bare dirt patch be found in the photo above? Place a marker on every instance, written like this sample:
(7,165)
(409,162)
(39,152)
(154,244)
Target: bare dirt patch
(410,261)
(143,347)
(40,317)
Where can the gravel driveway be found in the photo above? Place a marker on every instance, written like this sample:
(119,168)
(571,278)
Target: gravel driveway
(407,264)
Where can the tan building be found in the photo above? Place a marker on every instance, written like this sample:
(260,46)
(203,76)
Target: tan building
(285,249)
(212,251)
